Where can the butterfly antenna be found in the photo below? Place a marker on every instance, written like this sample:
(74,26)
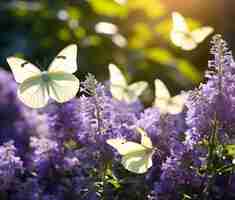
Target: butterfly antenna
(45,63)
(38,65)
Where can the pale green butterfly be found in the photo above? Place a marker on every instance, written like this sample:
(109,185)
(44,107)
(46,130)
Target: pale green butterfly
(182,37)
(58,83)
(136,157)
(121,90)
(165,102)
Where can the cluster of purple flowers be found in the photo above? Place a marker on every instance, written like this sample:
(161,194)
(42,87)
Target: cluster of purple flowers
(60,152)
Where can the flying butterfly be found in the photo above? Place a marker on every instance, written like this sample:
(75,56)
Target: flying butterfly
(182,37)
(165,102)
(136,157)
(121,90)
(58,83)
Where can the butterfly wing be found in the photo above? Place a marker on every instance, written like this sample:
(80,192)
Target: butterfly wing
(33,92)
(138,162)
(62,86)
(135,157)
(177,104)
(65,61)
(125,147)
(200,34)
(135,90)
(179,29)
(145,140)
(162,96)
(188,43)
(22,69)
(161,91)
(184,41)
(179,23)
(118,83)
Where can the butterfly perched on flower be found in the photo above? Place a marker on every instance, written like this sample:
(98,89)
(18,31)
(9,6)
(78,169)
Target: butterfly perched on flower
(165,102)
(58,83)
(184,38)
(121,90)
(136,157)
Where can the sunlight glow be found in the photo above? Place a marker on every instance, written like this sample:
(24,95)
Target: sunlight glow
(119,40)
(106,28)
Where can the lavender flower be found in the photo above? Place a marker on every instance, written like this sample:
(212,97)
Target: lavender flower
(10,165)
(215,98)
(18,122)
(210,111)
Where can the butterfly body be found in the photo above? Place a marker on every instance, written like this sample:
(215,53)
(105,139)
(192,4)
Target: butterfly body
(45,77)
(58,83)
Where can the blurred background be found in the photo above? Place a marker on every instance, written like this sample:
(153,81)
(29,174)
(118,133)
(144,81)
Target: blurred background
(133,34)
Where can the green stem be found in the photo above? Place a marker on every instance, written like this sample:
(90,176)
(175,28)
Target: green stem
(211,170)
(98,116)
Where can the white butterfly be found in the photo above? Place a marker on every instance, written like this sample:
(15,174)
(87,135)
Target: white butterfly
(136,157)
(121,90)
(58,83)
(165,102)
(182,37)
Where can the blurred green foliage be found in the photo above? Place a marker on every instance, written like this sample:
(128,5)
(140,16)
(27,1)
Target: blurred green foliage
(37,30)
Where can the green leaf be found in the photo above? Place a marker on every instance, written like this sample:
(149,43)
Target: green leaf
(64,34)
(141,36)
(151,8)
(164,57)
(163,28)
(160,55)
(188,70)
(93,40)
(80,32)
(230,150)
(108,8)
(74,13)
